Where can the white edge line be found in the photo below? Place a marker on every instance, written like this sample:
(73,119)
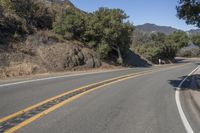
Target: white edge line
(186,124)
(63,76)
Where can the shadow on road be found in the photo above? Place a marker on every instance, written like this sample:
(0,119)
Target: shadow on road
(132,59)
(179,60)
(197,63)
(192,82)
(187,60)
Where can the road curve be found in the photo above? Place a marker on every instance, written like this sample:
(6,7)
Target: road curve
(141,104)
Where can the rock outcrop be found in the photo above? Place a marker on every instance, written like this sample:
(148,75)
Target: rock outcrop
(43,52)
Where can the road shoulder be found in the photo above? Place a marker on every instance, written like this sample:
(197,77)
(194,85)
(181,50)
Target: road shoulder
(194,92)
(190,99)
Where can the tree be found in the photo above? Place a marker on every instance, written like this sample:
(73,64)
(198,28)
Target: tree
(139,38)
(158,37)
(106,30)
(189,10)
(156,46)
(179,38)
(108,27)
(196,39)
(72,23)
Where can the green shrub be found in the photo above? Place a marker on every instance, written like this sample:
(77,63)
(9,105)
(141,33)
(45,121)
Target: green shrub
(179,38)
(155,47)
(72,23)
(196,39)
(35,13)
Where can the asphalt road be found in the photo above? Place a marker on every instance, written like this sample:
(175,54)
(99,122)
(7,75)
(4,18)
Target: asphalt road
(145,104)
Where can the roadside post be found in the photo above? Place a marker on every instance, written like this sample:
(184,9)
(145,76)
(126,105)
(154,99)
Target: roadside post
(159,61)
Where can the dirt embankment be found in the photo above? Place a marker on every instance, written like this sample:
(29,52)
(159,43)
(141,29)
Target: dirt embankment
(46,52)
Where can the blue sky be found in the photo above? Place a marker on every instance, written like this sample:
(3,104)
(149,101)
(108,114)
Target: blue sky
(160,12)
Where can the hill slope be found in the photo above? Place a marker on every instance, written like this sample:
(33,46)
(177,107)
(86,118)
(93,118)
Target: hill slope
(62,1)
(66,4)
(31,45)
(193,31)
(155,28)
(150,28)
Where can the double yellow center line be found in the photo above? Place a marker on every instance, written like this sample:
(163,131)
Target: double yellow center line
(30,114)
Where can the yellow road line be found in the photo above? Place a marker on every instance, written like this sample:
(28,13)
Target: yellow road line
(11,130)
(65,93)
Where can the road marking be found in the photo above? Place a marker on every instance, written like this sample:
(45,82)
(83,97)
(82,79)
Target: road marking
(186,124)
(112,81)
(60,105)
(63,76)
(65,93)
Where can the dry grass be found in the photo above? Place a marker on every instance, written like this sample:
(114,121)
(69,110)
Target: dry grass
(46,52)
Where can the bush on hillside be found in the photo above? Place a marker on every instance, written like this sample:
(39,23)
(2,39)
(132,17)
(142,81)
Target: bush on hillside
(72,25)
(154,46)
(22,17)
(35,13)
(154,53)
(10,26)
(179,38)
(196,39)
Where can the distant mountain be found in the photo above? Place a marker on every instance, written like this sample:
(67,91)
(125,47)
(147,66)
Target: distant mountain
(150,28)
(193,31)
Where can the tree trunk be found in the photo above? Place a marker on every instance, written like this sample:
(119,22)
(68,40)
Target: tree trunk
(120,59)
(117,49)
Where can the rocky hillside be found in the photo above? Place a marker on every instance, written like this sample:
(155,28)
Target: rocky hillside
(40,36)
(42,53)
(29,46)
